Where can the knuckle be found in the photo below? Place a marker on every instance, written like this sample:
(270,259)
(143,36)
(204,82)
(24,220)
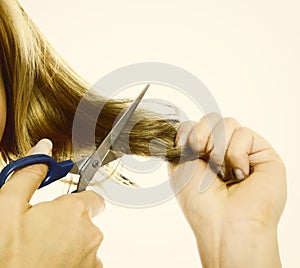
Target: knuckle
(210,143)
(212,115)
(231,122)
(78,204)
(92,235)
(206,123)
(101,202)
(243,131)
(96,197)
(98,236)
(199,135)
(186,125)
(211,119)
(194,139)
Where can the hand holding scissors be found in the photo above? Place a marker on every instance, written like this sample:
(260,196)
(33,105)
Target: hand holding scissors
(86,167)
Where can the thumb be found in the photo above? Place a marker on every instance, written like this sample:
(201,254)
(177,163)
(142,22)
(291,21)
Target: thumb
(24,182)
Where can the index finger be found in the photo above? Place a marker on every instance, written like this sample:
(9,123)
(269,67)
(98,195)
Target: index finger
(24,182)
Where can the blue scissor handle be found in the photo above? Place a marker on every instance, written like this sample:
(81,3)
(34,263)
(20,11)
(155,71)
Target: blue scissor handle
(57,170)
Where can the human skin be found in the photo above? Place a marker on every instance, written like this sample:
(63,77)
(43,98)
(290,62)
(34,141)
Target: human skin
(57,233)
(2,107)
(234,226)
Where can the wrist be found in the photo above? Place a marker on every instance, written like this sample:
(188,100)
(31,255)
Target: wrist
(243,244)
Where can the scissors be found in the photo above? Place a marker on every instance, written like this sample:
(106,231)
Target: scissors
(87,167)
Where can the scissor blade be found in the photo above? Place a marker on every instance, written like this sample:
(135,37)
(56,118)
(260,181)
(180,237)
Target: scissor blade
(79,164)
(96,160)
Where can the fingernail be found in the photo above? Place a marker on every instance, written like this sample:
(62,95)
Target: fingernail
(238,174)
(182,140)
(44,146)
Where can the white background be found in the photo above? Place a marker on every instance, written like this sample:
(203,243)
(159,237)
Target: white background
(247,54)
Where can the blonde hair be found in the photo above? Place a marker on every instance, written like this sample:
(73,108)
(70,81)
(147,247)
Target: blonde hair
(43,93)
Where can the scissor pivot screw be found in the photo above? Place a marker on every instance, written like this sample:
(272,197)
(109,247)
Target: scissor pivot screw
(95,164)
